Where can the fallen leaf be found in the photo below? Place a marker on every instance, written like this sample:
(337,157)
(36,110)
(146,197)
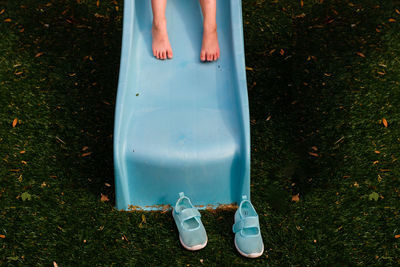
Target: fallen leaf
(392,20)
(313,154)
(360,54)
(282,52)
(384,121)
(7,20)
(14,123)
(377,151)
(22,152)
(104,198)
(397,11)
(2,11)
(296,198)
(86,154)
(397,236)
(248,68)
(85,148)
(2,236)
(143,221)
(107,184)
(98,3)
(39,54)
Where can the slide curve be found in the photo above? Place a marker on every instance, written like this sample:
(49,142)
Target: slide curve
(181,124)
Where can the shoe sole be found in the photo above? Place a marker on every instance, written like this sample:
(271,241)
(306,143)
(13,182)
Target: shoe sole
(194,248)
(252,255)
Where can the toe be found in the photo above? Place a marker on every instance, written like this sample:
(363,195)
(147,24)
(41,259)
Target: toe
(209,57)
(169,53)
(203,56)
(163,55)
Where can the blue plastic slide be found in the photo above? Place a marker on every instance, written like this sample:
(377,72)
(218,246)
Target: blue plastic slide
(181,125)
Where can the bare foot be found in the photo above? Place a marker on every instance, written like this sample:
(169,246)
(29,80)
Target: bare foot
(210,46)
(161,46)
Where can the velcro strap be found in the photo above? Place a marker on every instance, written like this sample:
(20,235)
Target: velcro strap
(187,214)
(247,222)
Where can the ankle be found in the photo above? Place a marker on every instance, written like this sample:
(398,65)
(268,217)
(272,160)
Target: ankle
(159,23)
(210,26)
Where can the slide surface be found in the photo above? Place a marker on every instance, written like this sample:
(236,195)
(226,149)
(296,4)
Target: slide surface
(181,124)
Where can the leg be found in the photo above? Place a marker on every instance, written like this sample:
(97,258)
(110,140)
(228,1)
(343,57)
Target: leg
(210,46)
(161,46)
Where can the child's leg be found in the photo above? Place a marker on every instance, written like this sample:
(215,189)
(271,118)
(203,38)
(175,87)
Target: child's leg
(161,46)
(210,46)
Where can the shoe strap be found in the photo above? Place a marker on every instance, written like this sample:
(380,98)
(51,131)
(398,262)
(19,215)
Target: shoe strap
(188,214)
(248,222)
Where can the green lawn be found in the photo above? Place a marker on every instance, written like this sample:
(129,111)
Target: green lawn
(323,79)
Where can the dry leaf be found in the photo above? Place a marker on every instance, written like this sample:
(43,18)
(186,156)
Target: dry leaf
(39,54)
(14,123)
(85,148)
(2,11)
(22,152)
(2,236)
(104,198)
(397,236)
(86,154)
(98,3)
(107,184)
(313,154)
(248,68)
(384,121)
(392,20)
(360,54)
(282,52)
(7,20)
(397,11)
(377,151)
(301,3)
(296,198)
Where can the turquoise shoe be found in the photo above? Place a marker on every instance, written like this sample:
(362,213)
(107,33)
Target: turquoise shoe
(187,218)
(248,239)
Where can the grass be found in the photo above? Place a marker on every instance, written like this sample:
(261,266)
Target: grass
(322,79)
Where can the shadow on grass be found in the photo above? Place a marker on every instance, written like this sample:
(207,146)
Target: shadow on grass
(303,69)
(81,45)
